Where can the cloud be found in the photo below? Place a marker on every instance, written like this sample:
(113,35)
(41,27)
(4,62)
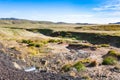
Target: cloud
(115,14)
(73,18)
(109,5)
(79,15)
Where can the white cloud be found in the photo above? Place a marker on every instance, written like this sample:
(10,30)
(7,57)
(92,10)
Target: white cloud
(115,14)
(109,5)
(108,12)
(79,15)
(73,18)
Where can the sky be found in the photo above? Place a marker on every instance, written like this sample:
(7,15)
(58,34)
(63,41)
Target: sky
(71,11)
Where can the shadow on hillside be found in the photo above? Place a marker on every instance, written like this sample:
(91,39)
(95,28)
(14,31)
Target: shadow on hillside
(46,32)
(94,38)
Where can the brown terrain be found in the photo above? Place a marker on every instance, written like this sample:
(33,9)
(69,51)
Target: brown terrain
(57,54)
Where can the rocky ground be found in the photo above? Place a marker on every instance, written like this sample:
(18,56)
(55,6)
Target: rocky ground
(65,55)
(49,66)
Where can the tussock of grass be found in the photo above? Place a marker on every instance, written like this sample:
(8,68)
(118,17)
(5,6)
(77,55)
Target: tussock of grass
(114,53)
(33,51)
(26,41)
(104,45)
(55,40)
(79,66)
(85,60)
(33,43)
(109,60)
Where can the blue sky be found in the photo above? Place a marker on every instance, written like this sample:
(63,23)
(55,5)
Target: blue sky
(83,11)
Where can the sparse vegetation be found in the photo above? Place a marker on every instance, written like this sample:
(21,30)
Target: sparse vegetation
(33,51)
(114,53)
(109,60)
(86,60)
(79,66)
(104,45)
(31,43)
(101,27)
(27,41)
(55,40)
(26,44)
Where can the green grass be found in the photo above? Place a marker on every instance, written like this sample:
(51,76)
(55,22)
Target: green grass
(79,66)
(55,40)
(104,45)
(27,41)
(114,53)
(31,43)
(109,60)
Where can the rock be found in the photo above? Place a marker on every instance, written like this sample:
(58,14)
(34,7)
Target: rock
(16,65)
(117,67)
(82,52)
(73,51)
(69,57)
(93,48)
(93,64)
(23,60)
(84,41)
(30,69)
(72,73)
(43,71)
(58,62)
(74,70)
(43,62)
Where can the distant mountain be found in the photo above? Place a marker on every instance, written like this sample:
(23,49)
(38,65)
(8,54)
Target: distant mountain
(84,24)
(10,19)
(21,21)
(115,23)
(62,23)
